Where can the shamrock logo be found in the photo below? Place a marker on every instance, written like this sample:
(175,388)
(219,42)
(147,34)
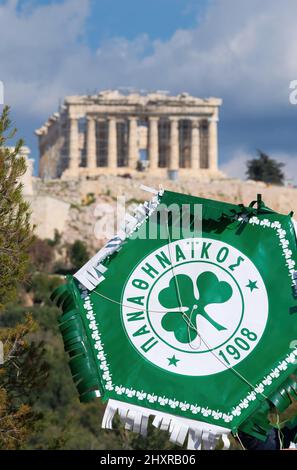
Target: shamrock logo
(211,291)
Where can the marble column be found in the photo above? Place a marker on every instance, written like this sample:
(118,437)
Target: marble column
(174,145)
(112,143)
(195,145)
(213,143)
(91,143)
(153,144)
(132,143)
(73,144)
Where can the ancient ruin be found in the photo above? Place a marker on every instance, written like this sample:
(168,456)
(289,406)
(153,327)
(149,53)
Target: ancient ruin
(118,133)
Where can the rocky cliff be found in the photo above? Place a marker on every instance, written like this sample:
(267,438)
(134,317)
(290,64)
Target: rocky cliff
(85,209)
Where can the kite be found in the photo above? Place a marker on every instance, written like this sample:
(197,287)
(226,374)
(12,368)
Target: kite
(189,315)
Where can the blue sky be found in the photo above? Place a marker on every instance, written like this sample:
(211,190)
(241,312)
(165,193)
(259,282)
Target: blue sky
(243,52)
(157,18)
(130,18)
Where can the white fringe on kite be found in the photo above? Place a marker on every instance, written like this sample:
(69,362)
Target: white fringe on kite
(135,418)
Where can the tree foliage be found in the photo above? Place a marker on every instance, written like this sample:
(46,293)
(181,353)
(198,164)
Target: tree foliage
(15,230)
(265,169)
(23,373)
(78,254)
(23,370)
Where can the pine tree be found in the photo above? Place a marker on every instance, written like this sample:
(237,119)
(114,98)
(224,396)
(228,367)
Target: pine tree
(23,368)
(265,169)
(15,230)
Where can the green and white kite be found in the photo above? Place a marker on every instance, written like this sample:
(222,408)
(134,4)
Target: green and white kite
(197,327)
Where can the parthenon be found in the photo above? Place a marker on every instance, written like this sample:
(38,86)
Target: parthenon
(120,133)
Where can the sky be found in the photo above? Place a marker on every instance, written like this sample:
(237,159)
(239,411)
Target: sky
(243,52)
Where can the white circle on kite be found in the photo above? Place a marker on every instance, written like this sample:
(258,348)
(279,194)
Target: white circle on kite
(195,307)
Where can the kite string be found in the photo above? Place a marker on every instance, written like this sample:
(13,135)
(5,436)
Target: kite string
(279,433)
(190,325)
(240,441)
(121,304)
(124,305)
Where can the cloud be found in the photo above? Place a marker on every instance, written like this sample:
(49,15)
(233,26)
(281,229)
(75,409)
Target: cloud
(235,167)
(249,57)
(41,46)
(244,52)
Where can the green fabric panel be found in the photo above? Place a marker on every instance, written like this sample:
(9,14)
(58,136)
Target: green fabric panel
(198,326)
